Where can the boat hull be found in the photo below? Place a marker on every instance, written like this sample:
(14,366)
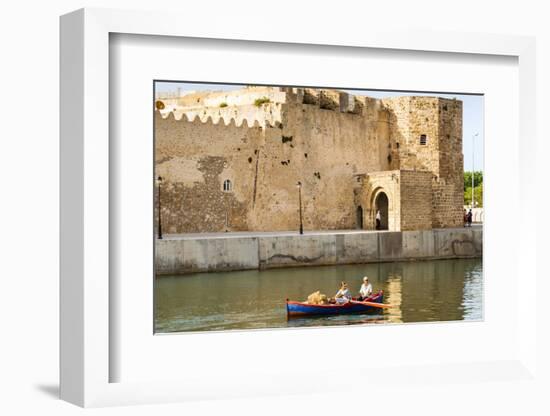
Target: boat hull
(300,309)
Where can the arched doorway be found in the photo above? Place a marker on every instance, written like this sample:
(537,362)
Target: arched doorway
(381,204)
(359,218)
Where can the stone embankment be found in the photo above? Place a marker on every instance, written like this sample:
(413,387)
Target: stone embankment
(224,252)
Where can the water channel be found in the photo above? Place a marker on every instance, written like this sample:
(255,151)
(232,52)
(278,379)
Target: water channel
(424,291)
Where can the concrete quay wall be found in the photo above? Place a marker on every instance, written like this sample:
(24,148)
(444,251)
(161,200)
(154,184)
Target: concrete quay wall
(224,253)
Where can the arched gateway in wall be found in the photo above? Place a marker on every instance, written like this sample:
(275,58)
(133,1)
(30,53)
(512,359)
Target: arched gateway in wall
(380,192)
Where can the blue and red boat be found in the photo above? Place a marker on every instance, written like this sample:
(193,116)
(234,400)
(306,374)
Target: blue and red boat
(301,309)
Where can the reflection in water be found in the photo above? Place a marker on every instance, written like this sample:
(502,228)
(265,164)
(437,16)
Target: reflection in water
(472,297)
(440,290)
(393,297)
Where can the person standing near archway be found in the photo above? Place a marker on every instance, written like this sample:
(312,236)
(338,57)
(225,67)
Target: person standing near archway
(378,219)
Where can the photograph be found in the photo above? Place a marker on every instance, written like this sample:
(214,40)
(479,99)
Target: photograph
(280,206)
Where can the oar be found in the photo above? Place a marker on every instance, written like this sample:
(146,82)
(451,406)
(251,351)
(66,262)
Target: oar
(373,304)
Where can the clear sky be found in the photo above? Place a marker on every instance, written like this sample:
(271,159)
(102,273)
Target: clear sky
(472,120)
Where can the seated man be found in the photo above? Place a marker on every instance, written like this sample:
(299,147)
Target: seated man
(344,294)
(366,289)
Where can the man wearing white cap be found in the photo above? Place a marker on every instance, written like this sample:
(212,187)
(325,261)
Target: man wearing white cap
(366,289)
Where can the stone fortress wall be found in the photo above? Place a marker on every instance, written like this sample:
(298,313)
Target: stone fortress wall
(348,152)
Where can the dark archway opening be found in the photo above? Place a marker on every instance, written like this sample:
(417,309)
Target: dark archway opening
(359,217)
(381,211)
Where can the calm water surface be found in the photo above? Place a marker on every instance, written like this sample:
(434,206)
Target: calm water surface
(440,290)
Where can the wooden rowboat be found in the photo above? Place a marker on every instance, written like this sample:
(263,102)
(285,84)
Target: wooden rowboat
(301,309)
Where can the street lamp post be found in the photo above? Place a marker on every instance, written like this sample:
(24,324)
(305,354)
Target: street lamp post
(159,228)
(299,185)
(473,162)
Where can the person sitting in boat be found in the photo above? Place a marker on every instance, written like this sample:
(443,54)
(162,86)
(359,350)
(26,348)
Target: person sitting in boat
(344,294)
(366,289)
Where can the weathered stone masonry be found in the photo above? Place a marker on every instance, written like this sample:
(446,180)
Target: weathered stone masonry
(352,154)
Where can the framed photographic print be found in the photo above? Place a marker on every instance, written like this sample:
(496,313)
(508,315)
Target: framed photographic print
(259,207)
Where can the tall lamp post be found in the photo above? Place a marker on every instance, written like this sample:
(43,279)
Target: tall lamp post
(159,228)
(473,162)
(299,185)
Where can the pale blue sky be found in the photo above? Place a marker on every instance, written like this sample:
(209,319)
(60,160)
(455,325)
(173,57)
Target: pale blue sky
(472,120)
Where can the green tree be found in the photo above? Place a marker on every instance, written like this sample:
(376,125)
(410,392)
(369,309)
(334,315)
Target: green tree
(478,179)
(478,188)
(478,196)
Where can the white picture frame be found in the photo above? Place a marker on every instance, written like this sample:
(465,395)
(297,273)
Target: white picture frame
(86,262)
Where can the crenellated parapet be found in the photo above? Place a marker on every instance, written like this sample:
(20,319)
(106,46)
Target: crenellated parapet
(263,105)
(328,99)
(212,119)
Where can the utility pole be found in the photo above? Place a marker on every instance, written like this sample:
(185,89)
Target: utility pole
(473,159)
(159,181)
(299,185)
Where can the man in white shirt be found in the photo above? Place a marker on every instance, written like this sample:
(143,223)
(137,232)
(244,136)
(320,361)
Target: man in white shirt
(378,220)
(366,289)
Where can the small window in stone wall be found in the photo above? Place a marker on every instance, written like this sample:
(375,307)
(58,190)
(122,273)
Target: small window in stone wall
(227,186)
(423,139)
